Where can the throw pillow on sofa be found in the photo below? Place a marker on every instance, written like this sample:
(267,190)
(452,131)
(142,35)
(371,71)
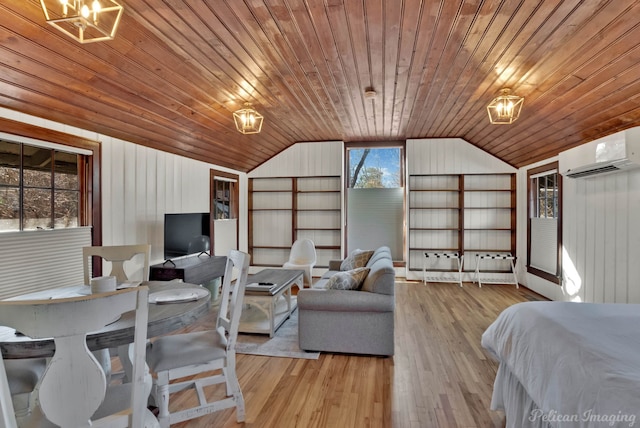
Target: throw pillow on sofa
(357,259)
(348,280)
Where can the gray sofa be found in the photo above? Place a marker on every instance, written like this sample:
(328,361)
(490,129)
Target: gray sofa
(351,321)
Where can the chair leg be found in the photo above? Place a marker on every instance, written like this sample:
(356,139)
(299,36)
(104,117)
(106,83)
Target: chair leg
(233,388)
(160,395)
(240,413)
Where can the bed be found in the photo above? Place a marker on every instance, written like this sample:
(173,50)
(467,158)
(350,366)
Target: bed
(567,364)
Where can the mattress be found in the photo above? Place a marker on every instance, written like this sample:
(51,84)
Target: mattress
(576,364)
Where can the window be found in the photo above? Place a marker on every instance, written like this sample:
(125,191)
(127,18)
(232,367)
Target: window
(544,225)
(546,186)
(378,168)
(40,187)
(223,200)
(375,197)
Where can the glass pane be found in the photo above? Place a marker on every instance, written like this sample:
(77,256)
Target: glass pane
(553,195)
(37,209)
(9,163)
(9,208)
(66,208)
(37,166)
(375,168)
(548,195)
(540,186)
(221,208)
(66,171)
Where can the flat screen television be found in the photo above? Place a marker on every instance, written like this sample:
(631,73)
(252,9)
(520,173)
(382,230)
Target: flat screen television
(186,234)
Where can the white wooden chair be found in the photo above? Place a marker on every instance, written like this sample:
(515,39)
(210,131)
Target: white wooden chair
(73,390)
(23,376)
(185,355)
(302,257)
(117,255)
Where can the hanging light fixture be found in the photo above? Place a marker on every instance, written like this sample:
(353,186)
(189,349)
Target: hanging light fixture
(85,21)
(248,121)
(505,108)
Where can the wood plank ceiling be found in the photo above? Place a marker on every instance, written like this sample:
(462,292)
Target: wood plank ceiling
(179,68)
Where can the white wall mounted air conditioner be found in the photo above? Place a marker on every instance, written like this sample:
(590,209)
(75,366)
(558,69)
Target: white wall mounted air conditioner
(613,153)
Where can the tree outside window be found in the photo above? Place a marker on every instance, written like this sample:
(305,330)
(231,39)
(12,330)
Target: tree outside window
(375,168)
(39,187)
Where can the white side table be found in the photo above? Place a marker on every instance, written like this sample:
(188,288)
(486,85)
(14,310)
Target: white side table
(430,262)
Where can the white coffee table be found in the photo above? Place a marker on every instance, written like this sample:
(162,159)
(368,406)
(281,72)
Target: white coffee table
(265,311)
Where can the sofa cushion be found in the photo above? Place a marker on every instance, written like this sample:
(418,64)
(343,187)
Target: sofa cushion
(348,280)
(310,299)
(381,279)
(379,254)
(357,259)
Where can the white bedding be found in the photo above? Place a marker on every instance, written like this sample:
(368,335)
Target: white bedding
(578,362)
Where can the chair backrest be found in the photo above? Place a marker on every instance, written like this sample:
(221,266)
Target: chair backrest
(232,296)
(117,255)
(74,384)
(303,251)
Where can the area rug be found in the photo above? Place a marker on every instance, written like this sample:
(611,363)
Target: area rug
(283,344)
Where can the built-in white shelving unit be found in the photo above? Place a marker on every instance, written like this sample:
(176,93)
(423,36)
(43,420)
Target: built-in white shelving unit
(283,209)
(466,214)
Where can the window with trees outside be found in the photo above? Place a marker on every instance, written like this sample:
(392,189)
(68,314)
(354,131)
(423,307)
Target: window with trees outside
(375,197)
(40,188)
(545,210)
(375,168)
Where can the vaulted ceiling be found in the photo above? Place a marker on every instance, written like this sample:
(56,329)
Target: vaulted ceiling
(177,69)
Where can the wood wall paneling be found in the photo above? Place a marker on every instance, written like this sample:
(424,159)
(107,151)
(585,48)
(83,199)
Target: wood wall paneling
(176,71)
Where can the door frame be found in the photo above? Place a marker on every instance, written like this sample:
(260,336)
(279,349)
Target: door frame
(233,203)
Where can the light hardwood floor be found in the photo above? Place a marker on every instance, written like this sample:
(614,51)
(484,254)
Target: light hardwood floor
(440,375)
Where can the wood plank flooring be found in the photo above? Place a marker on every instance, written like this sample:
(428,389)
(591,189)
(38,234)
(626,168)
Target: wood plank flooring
(440,375)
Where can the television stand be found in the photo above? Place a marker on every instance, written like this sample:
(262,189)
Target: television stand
(192,269)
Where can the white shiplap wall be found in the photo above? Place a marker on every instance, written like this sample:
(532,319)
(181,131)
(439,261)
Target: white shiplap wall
(139,185)
(438,156)
(424,156)
(451,156)
(312,159)
(539,285)
(308,159)
(600,237)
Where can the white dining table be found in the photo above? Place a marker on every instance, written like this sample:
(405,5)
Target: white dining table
(163,319)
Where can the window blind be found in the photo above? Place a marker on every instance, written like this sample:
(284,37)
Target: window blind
(41,259)
(544,244)
(375,218)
